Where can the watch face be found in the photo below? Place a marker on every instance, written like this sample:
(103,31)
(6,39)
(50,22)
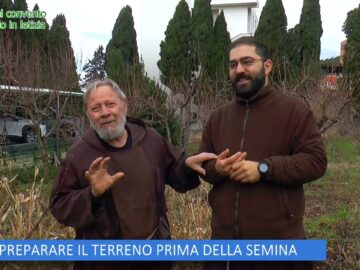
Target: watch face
(263,167)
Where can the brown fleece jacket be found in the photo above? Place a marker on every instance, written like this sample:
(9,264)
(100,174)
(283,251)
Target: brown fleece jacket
(281,131)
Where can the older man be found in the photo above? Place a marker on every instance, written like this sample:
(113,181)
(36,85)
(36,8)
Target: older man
(111,183)
(260,197)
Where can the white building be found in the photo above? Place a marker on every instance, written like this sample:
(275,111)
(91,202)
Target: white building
(239,14)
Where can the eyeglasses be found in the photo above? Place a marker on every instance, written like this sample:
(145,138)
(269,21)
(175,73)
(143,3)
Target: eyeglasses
(245,62)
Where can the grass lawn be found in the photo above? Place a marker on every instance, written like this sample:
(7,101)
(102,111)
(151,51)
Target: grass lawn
(333,206)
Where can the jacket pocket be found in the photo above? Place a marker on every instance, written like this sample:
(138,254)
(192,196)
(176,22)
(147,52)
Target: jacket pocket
(285,203)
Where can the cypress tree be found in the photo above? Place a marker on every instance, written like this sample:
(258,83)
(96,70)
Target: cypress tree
(5,4)
(222,43)
(59,37)
(39,44)
(22,36)
(61,55)
(351,29)
(21,39)
(310,32)
(121,56)
(95,67)
(114,65)
(176,50)
(41,35)
(124,36)
(15,42)
(272,32)
(158,115)
(123,65)
(5,34)
(294,48)
(20,5)
(202,19)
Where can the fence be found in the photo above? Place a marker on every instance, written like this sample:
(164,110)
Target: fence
(28,154)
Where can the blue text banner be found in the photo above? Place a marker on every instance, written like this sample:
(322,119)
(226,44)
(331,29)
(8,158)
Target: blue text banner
(162,250)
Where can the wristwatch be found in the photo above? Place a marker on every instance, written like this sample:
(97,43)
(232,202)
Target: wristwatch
(263,169)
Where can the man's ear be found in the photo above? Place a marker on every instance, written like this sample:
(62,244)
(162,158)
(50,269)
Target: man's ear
(268,64)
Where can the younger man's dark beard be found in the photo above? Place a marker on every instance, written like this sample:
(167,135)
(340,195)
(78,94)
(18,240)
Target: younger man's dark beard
(256,85)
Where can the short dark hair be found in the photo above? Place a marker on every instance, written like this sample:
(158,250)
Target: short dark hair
(260,48)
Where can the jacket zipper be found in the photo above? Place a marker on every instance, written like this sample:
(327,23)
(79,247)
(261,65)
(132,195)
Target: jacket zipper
(244,126)
(241,149)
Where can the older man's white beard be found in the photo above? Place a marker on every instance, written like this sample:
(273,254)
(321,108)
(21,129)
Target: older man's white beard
(109,134)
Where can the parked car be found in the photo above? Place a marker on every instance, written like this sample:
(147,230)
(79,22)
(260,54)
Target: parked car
(20,129)
(70,127)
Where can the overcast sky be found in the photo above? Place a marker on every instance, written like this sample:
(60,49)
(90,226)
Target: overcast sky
(90,22)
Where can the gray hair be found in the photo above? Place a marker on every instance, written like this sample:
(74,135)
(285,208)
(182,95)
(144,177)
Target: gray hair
(104,82)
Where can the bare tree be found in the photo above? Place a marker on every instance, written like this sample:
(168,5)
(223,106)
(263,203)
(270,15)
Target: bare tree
(331,105)
(29,70)
(214,94)
(181,97)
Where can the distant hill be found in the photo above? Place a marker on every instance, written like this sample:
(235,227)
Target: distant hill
(330,61)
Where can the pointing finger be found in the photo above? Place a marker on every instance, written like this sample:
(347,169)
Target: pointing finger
(242,156)
(231,159)
(207,156)
(224,154)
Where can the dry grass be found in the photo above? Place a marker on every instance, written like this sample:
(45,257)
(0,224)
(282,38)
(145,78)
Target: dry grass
(189,213)
(24,215)
(21,211)
(189,217)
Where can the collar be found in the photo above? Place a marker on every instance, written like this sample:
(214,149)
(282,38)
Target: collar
(258,98)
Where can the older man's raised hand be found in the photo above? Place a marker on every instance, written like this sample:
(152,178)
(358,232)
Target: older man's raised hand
(99,178)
